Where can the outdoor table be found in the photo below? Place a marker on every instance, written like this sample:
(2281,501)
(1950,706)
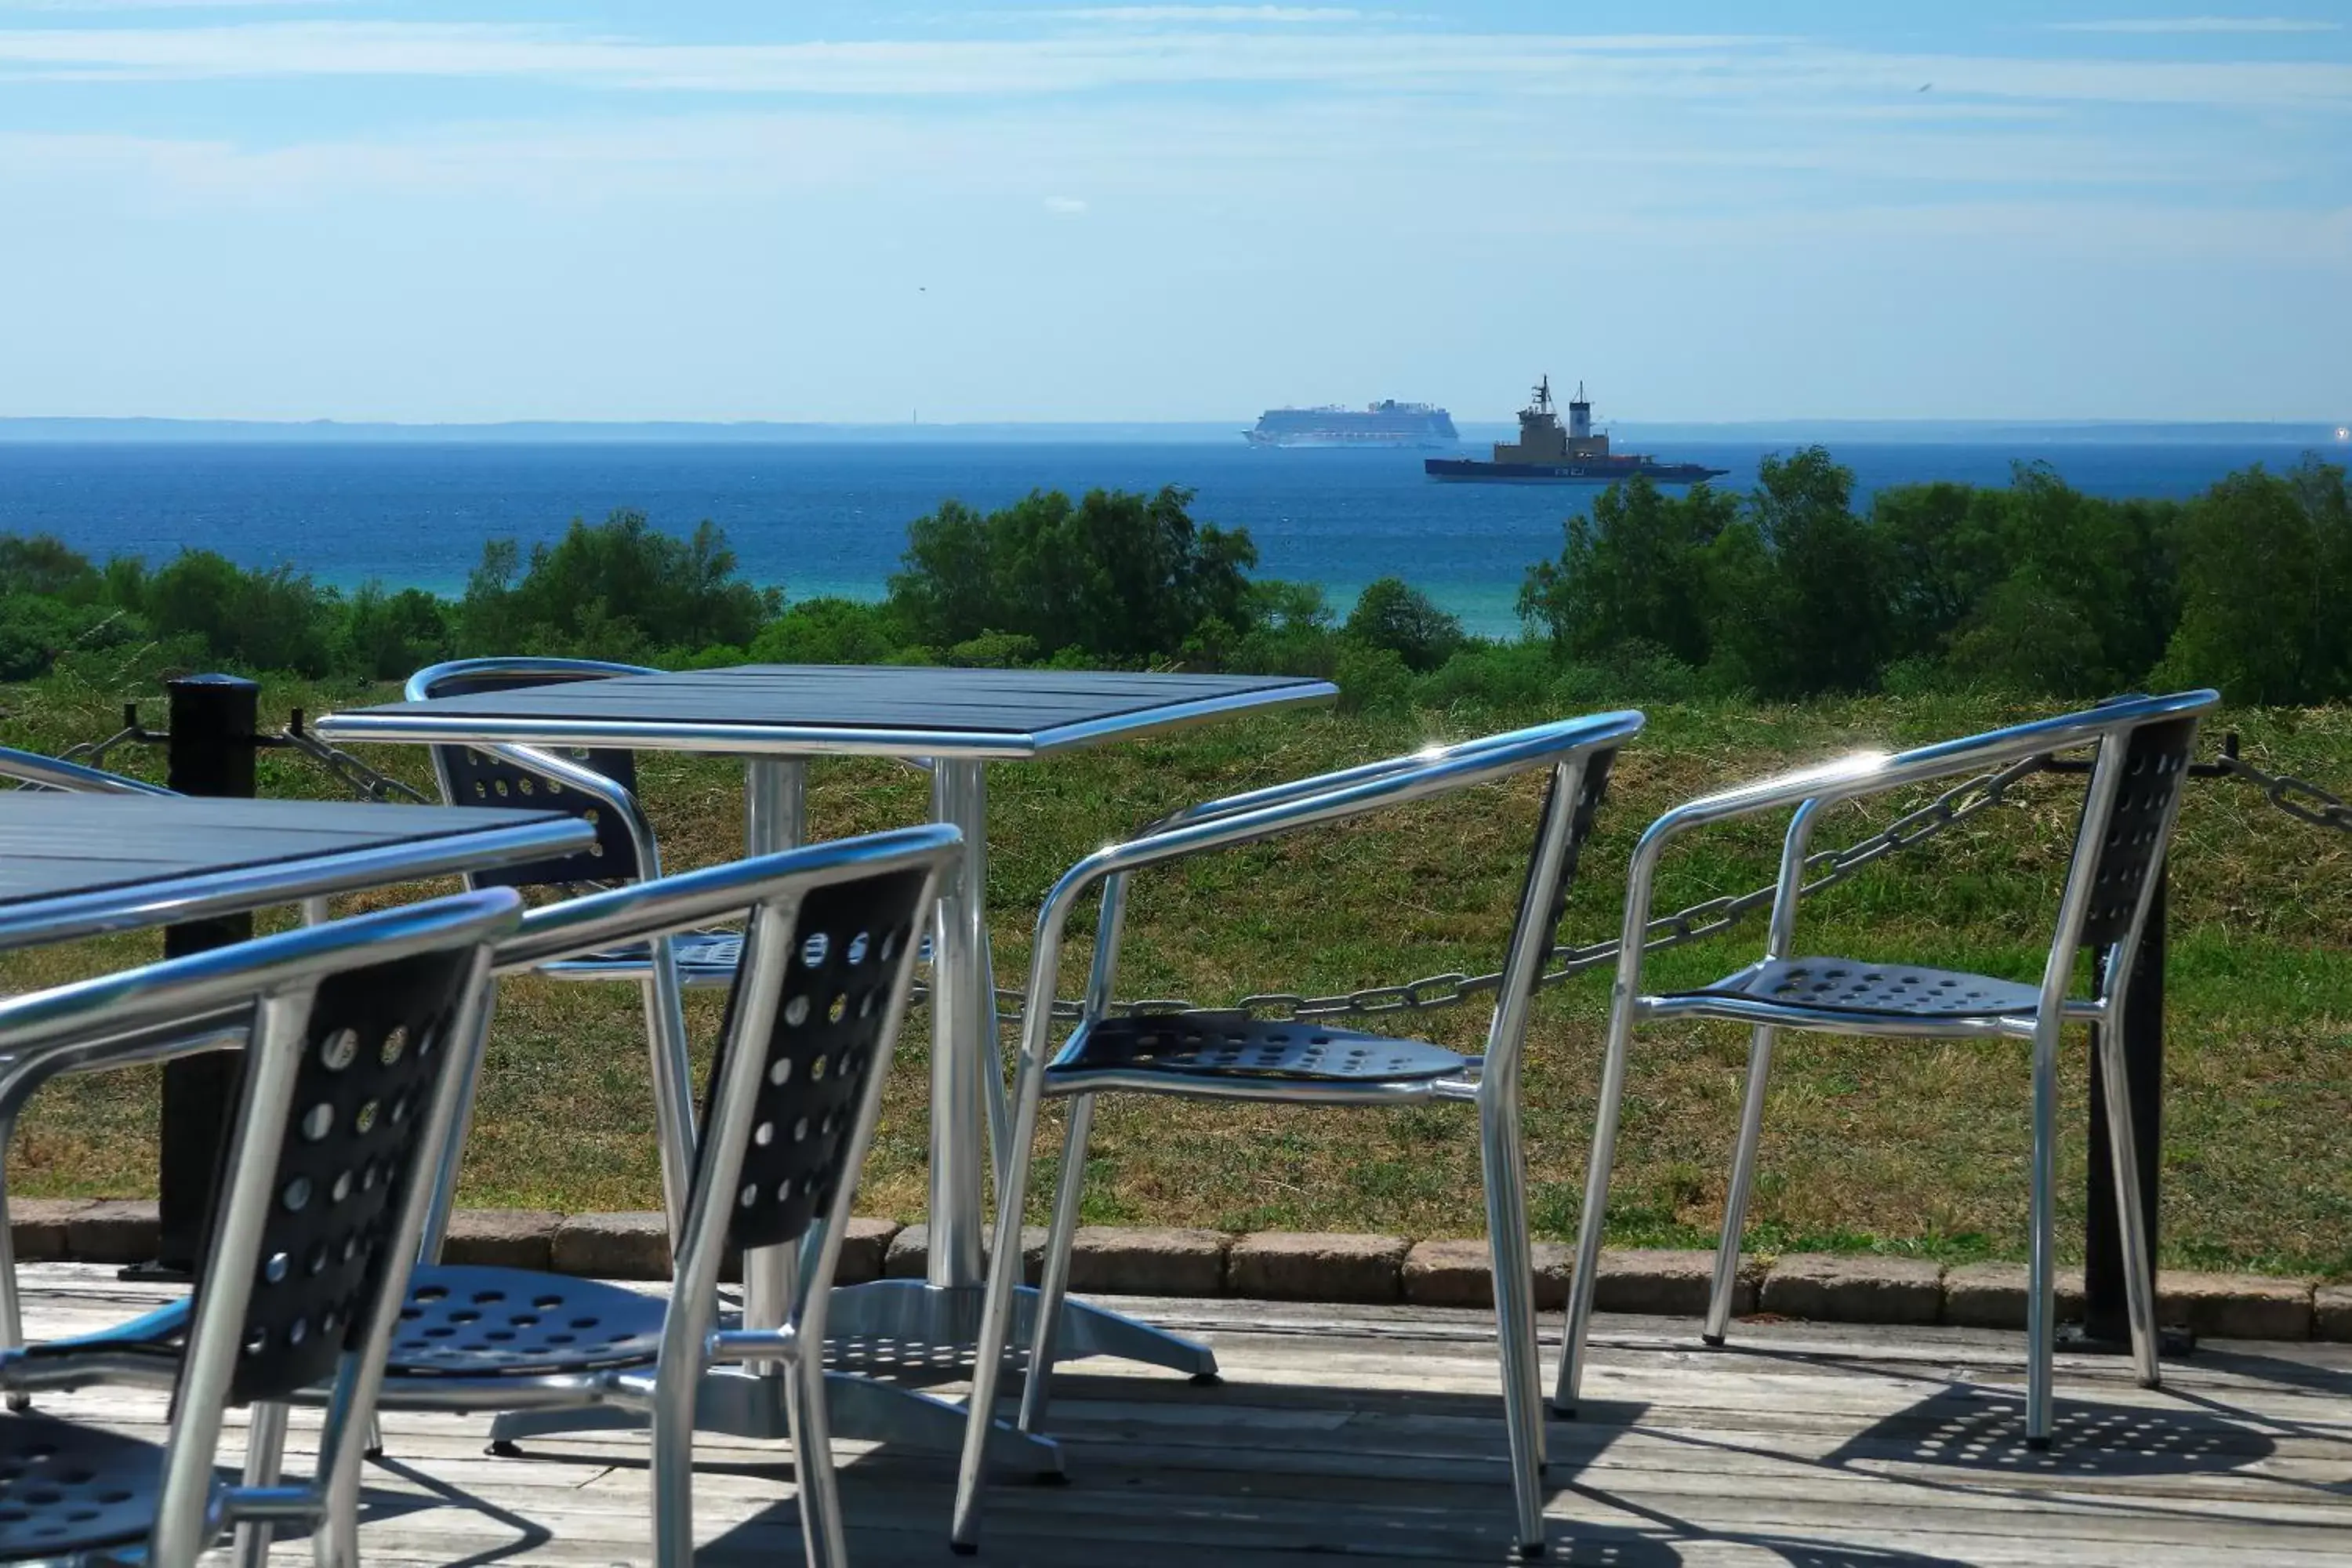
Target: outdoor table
(777,717)
(74,865)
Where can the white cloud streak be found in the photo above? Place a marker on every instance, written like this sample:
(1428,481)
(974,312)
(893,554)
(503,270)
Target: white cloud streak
(2248,25)
(1712,68)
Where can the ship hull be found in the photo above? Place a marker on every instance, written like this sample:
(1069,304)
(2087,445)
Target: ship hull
(1595,472)
(1347,438)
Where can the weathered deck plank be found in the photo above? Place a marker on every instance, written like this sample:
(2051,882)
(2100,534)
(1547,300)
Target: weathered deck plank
(1376,1433)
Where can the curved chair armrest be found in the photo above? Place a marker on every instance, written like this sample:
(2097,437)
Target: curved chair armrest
(690,899)
(1287,808)
(26,1067)
(53,773)
(1856,777)
(420,686)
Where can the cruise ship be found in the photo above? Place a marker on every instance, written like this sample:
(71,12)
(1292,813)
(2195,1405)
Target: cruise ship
(1577,455)
(1384,423)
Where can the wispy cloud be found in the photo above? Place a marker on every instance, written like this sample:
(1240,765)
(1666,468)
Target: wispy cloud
(1155,15)
(94,6)
(1719,70)
(2198,25)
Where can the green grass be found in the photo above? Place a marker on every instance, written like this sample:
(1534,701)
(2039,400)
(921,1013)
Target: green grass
(1910,1148)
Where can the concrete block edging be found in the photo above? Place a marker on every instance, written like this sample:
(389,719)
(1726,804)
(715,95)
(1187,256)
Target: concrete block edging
(1339,1268)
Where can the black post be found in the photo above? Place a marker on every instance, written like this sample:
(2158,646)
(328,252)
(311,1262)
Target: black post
(211,753)
(2105,1317)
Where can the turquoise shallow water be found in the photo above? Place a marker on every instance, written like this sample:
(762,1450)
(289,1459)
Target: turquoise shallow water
(830,518)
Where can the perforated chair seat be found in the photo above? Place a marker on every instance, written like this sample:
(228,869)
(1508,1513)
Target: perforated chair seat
(1201,1047)
(704,958)
(68,1488)
(464,1321)
(1896,990)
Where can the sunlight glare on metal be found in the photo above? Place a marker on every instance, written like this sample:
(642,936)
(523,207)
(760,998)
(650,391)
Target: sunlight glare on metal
(1431,752)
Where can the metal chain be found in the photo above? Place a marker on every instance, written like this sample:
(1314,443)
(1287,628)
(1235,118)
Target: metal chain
(92,753)
(1824,869)
(350,772)
(2288,792)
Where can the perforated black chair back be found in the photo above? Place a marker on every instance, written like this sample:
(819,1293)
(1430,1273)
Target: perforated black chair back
(850,940)
(377,1043)
(359,1034)
(482,775)
(2154,769)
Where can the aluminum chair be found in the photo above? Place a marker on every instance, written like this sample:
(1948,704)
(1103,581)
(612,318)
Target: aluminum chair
(792,1098)
(30,770)
(1232,1055)
(2140,748)
(599,785)
(355,1065)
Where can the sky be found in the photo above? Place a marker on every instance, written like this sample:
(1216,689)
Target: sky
(818,210)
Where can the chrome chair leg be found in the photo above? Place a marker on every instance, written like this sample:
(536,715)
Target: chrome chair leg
(1505,1169)
(1054,1284)
(12,1315)
(2041,1300)
(1743,1186)
(1596,1211)
(2139,1269)
(265,1458)
(996,1305)
(812,1434)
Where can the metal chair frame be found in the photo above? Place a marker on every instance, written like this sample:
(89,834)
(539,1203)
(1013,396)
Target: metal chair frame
(659,972)
(261,990)
(772,889)
(2109,730)
(1575,755)
(19,1078)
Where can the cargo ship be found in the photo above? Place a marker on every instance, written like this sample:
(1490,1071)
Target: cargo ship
(1545,452)
(1384,423)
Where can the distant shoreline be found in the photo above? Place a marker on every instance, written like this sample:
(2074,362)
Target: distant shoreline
(23,430)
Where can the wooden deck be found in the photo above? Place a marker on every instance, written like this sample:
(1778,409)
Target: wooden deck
(1376,1433)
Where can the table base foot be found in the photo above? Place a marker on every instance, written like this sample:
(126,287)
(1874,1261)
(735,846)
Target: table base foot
(906,1327)
(735,1404)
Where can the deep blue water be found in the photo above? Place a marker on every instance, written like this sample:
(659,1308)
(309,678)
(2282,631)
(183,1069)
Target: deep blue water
(831,518)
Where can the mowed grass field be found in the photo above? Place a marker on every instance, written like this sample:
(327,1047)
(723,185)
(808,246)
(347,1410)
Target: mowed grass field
(1905,1147)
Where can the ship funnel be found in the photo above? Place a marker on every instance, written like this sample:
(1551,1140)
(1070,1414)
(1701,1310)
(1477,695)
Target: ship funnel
(1579,415)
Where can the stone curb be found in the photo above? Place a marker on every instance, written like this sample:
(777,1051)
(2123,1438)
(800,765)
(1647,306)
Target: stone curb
(1304,1267)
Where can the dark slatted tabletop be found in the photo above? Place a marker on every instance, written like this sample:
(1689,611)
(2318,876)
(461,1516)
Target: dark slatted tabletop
(885,708)
(70,864)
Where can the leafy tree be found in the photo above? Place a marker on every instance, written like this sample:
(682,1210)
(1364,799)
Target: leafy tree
(618,589)
(829,631)
(1391,614)
(388,637)
(1801,581)
(1637,570)
(1118,577)
(272,618)
(2265,579)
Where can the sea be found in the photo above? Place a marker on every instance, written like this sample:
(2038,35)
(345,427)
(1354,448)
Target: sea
(819,516)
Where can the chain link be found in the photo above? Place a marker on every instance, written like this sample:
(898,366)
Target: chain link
(1824,869)
(92,753)
(2288,792)
(350,772)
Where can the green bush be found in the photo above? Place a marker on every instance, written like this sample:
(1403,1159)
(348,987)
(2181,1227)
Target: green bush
(1391,614)
(829,631)
(1124,578)
(620,589)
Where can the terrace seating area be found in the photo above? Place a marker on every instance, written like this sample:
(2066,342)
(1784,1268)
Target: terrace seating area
(508,1415)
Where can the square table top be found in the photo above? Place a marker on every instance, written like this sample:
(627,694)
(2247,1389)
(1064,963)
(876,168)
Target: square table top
(848,709)
(76,865)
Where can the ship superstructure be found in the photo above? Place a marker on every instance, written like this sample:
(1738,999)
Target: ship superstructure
(1576,454)
(1387,423)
